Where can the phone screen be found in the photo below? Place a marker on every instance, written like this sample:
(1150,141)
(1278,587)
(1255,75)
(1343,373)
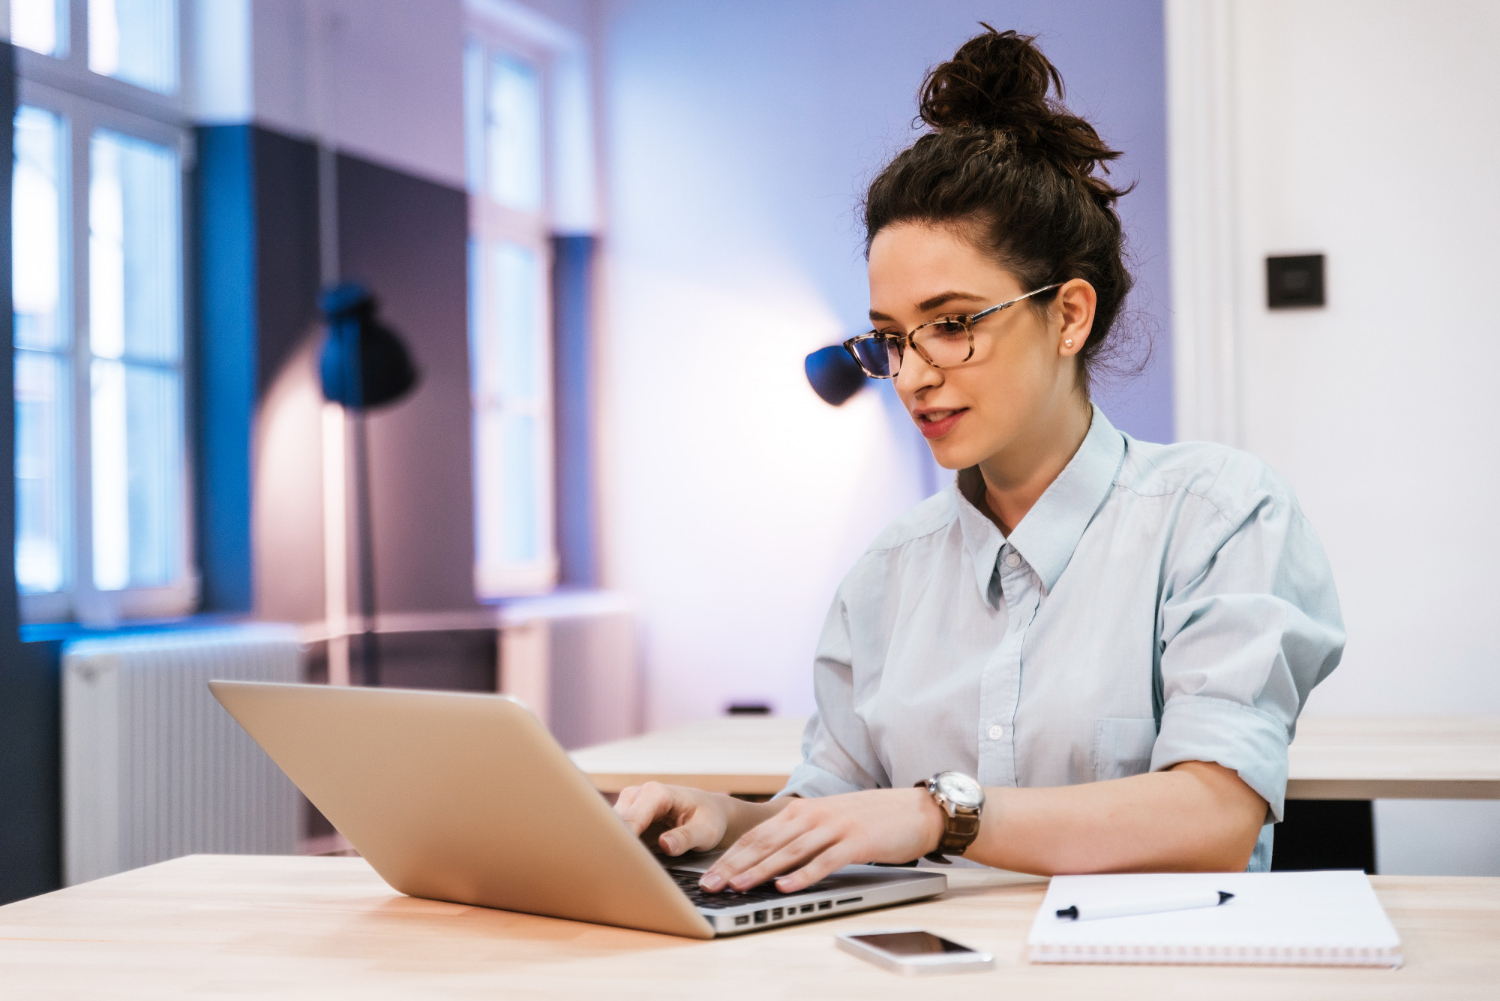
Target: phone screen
(910,943)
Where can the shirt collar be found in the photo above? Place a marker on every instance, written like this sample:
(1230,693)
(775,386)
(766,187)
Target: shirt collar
(1051,530)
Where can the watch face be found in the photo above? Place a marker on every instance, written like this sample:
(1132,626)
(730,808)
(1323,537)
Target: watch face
(960,790)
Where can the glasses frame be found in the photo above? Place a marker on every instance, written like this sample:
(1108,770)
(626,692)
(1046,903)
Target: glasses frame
(909,338)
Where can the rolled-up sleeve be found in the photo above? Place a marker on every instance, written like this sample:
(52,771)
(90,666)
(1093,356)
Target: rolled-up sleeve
(1247,630)
(837,753)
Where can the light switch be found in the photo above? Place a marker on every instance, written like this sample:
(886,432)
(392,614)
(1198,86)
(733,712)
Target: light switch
(1294,282)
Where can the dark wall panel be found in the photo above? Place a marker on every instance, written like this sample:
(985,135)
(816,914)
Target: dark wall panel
(406,239)
(30,814)
(226,330)
(573,409)
(286,250)
(257,244)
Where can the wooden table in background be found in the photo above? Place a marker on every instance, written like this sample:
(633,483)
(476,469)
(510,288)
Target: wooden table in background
(298,927)
(1355,757)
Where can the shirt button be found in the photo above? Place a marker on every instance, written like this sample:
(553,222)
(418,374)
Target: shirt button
(997,731)
(1012,561)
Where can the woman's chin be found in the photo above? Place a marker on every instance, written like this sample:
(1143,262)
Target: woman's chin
(951,455)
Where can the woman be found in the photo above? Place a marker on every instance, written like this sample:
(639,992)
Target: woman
(1090,653)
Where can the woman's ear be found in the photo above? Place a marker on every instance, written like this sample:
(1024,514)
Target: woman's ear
(1074,307)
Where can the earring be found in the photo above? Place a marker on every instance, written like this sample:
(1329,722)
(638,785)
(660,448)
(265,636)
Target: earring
(1068,343)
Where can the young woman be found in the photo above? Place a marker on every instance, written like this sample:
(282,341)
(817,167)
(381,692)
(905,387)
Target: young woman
(1090,653)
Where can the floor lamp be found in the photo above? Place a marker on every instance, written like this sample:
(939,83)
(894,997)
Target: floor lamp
(363,365)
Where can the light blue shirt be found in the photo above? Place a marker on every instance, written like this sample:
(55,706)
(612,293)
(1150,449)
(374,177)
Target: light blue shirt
(1158,604)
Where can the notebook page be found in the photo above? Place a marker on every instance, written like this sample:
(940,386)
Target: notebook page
(1313,918)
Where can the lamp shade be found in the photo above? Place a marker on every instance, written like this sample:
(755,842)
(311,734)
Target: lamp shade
(834,376)
(364,363)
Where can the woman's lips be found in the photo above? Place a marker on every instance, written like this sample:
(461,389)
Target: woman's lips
(942,425)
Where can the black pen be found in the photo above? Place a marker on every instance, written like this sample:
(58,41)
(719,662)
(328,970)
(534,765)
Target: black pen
(1148,905)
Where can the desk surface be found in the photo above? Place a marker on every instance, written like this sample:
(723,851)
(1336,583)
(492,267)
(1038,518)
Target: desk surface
(329,927)
(1333,757)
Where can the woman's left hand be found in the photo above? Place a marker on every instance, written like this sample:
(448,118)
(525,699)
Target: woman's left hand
(811,838)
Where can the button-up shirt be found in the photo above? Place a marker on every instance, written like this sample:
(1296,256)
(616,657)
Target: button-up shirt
(1158,604)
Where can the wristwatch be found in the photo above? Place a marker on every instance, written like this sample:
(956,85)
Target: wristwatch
(962,801)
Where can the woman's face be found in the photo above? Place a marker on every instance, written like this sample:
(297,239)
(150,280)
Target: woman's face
(1022,377)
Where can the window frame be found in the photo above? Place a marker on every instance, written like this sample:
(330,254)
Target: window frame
(86,103)
(491,224)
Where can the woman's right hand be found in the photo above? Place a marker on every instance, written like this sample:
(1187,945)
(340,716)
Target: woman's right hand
(694,820)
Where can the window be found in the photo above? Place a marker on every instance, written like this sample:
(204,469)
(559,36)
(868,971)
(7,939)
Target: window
(39,25)
(509,325)
(102,513)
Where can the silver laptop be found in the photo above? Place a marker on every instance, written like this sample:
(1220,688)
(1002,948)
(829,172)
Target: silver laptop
(464,797)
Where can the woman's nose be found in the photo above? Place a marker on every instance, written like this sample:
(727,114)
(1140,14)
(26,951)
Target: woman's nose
(916,374)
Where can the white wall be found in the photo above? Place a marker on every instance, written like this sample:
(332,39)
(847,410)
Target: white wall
(740,138)
(380,79)
(1367,131)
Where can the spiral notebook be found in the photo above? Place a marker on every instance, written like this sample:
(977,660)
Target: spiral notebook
(1324,918)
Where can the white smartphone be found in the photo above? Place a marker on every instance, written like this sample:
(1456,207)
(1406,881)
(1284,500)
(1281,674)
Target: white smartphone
(914,951)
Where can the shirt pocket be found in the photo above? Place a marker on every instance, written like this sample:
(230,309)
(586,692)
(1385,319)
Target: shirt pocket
(1122,747)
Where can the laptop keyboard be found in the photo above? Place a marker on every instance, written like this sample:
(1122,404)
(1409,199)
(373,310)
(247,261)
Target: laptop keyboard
(687,881)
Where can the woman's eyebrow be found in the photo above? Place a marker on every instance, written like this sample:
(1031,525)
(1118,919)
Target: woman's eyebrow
(941,299)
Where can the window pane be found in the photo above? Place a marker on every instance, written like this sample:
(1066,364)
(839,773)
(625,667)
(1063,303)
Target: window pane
(42,457)
(520,477)
(517,315)
(474,127)
(508,489)
(135,334)
(38,25)
(515,133)
(134,274)
(42,399)
(135,41)
(137,472)
(477,327)
(489,491)
(36,231)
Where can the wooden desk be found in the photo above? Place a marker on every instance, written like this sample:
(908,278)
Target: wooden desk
(297,927)
(1371,757)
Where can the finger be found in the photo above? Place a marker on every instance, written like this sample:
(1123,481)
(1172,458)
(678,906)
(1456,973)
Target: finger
(818,867)
(698,834)
(753,847)
(793,853)
(647,804)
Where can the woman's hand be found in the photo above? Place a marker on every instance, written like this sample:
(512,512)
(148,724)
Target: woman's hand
(694,820)
(815,837)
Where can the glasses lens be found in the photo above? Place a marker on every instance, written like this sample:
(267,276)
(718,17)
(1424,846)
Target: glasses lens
(878,356)
(946,342)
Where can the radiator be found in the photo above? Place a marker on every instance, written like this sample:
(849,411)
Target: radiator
(153,767)
(572,659)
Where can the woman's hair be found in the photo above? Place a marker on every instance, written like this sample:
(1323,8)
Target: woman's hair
(1017,173)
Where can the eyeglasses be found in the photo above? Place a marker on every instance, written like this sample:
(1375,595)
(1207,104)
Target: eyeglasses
(941,343)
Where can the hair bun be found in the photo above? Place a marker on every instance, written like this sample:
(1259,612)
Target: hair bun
(999,81)
(995,80)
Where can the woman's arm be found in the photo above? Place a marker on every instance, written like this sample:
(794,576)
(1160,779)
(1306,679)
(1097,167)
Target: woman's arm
(1195,816)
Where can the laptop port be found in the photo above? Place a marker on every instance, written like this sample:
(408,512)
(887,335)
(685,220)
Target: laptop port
(776,914)
(850,900)
(741,919)
(760,917)
(807,908)
(825,905)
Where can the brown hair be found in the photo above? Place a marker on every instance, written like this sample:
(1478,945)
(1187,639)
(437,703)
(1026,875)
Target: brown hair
(1017,172)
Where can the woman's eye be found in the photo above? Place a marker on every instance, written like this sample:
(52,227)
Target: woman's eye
(948,328)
